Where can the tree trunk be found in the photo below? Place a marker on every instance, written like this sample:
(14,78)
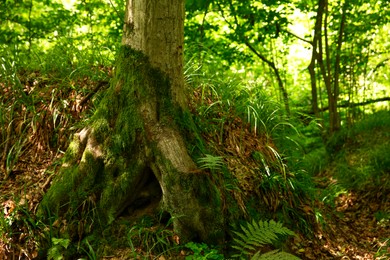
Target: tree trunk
(314,58)
(272,65)
(132,150)
(335,117)
(324,66)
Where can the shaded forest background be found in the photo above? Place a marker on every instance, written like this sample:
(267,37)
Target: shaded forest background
(291,99)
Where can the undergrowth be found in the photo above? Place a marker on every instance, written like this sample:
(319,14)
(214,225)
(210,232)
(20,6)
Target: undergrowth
(244,130)
(260,159)
(41,102)
(361,155)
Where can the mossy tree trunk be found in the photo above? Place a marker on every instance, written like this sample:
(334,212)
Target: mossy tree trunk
(132,142)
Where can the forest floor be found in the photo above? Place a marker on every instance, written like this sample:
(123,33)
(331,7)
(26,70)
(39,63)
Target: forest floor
(348,230)
(351,230)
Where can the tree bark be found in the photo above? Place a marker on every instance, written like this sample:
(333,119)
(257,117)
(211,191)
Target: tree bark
(334,116)
(324,62)
(133,144)
(312,65)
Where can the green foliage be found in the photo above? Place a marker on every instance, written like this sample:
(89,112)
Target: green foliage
(51,53)
(16,220)
(332,191)
(225,96)
(257,234)
(248,36)
(303,146)
(5,226)
(151,237)
(315,161)
(89,251)
(225,109)
(382,216)
(383,252)
(36,25)
(13,119)
(59,247)
(202,251)
(361,154)
(211,162)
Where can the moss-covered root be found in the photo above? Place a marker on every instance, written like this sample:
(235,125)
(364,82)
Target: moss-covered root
(188,194)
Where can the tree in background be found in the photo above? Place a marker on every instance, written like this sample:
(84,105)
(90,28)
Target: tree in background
(345,38)
(133,144)
(341,49)
(321,55)
(247,25)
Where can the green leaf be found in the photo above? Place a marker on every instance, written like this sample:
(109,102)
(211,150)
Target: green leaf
(63,242)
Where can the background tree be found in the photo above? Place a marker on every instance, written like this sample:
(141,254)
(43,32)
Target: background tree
(272,33)
(338,65)
(252,25)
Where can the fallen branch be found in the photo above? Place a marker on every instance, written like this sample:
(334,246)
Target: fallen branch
(351,105)
(90,94)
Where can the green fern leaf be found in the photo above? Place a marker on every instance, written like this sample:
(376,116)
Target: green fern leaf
(246,253)
(252,236)
(243,247)
(243,239)
(256,234)
(261,236)
(255,238)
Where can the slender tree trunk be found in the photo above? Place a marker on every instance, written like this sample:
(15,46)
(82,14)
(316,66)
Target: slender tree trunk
(132,143)
(271,64)
(314,57)
(324,62)
(335,117)
(277,74)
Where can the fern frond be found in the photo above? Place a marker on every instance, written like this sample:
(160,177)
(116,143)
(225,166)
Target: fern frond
(258,237)
(243,246)
(211,162)
(256,234)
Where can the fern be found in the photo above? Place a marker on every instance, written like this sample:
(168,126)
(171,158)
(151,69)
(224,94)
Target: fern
(258,234)
(211,162)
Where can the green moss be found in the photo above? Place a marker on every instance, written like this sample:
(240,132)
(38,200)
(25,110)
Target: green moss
(58,194)
(191,133)
(72,151)
(128,126)
(100,129)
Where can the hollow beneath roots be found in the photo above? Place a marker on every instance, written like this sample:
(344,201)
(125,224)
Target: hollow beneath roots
(147,200)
